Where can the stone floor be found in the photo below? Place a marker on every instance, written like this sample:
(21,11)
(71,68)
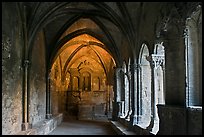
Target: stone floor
(84,127)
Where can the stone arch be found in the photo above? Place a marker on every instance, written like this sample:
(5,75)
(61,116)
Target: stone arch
(144,88)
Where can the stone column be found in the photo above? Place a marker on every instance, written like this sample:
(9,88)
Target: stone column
(48,97)
(129,75)
(109,99)
(192,65)
(164,81)
(25,95)
(133,117)
(25,98)
(155,62)
(118,92)
(139,73)
(175,72)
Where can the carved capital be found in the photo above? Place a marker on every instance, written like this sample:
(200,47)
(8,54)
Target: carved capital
(26,63)
(156,60)
(185,33)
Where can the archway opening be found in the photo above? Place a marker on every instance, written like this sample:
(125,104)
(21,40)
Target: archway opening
(82,75)
(144,88)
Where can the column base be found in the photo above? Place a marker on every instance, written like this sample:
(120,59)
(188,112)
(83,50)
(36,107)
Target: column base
(48,116)
(133,119)
(149,128)
(155,127)
(26,126)
(128,115)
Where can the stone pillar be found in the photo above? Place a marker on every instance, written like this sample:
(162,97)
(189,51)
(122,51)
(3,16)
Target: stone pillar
(139,73)
(164,81)
(118,91)
(48,97)
(110,97)
(133,117)
(25,99)
(155,62)
(125,93)
(175,72)
(25,95)
(117,95)
(172,115)
(129,75)
(192,66)
(107,99)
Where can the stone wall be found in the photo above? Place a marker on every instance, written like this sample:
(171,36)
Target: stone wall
(172,120)
(176,120)
(87,104)
(92,104)
(37,81)
(44,127)
(194,121)
(12,71)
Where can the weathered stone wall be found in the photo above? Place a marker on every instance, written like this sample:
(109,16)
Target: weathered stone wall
(90,105)
(37,81)
(44,127)
(85,104)
(180,120)
(12,72)
(172,120)
(54,100)
(194,121)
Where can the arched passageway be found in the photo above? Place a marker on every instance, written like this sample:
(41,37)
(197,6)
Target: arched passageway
(138,64)
(80,79)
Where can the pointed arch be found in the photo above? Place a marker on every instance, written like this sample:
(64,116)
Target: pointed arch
(144,87)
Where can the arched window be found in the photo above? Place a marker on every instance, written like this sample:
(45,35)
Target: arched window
(193,43)
(86,81)
(144,88)
(75,83)
(67,80)
(96,83)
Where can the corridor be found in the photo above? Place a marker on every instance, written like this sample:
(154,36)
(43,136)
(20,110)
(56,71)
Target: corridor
(102,68)
(84,127)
